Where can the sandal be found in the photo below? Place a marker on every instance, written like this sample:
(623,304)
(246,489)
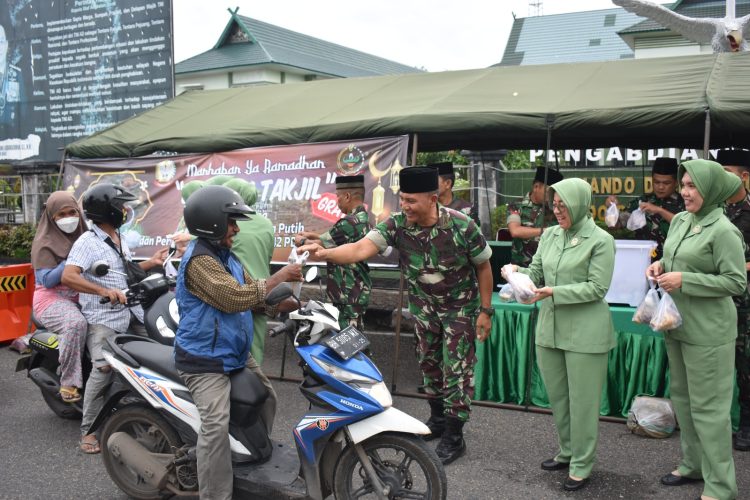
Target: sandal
(90,446)
(70,394)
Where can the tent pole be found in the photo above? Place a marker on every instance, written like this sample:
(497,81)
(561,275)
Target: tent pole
(707,135)
(399,315)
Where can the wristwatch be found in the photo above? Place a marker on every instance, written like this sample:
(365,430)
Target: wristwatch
(487,310)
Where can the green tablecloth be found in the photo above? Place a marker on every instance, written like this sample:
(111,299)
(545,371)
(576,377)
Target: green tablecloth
(506,369)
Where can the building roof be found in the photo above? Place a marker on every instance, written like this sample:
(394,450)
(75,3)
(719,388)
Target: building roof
(690,8)
(249,42)
(571,37)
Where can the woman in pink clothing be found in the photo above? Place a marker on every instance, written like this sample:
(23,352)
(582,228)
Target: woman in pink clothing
(56,305)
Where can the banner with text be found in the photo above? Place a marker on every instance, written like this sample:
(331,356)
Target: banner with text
(296,185)
(71,68)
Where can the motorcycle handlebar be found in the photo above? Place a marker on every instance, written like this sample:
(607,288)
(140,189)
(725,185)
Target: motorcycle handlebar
(282,328)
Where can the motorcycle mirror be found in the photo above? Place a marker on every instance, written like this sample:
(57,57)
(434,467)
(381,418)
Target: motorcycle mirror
(279,294)
(99,268)
(311,274)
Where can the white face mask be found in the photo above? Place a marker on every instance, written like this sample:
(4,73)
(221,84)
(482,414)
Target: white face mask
(67,224)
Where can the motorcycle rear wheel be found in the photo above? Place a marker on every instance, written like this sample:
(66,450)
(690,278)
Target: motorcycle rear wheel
(404,462)
(59,407)
(153,433)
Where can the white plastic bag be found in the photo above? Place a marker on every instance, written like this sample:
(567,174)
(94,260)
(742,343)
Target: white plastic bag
(637,220)
(506,293)
(294,258)
(647,307)
(523,288)
(652,417)
(666,317)
(612,215)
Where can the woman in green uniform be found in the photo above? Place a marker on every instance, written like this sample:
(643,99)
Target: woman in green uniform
(702,267)
(574,332)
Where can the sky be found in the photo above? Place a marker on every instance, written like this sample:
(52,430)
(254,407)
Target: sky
(436,35)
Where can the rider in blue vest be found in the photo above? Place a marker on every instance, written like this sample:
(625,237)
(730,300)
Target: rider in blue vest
(215,295)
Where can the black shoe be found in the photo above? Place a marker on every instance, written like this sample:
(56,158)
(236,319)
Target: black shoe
(742,440)
(436,422)
(553,464)
(672,480)
(452,444)
(571,484)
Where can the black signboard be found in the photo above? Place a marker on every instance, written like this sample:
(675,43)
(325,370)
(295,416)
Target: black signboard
(70,68)
(347,342)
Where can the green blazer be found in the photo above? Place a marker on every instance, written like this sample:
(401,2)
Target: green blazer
(576,317)
(709,252)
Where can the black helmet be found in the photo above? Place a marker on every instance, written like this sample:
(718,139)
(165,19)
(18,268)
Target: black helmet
(105,203)
(208,210)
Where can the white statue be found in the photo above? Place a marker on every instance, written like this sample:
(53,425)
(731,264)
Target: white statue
(726,35)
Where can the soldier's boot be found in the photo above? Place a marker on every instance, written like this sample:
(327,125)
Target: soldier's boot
(742,439)
(436,422)
(452,444)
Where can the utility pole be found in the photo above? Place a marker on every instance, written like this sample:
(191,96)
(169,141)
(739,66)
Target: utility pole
(536,8)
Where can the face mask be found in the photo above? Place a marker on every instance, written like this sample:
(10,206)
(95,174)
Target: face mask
(67,224)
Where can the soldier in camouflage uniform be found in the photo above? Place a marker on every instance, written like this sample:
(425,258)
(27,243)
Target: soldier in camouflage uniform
(738,211)
(659,206)
(445,191)
(347,286)
(446,262)
(528,218)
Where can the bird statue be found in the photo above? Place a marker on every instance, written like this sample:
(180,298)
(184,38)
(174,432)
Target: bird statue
(726,35)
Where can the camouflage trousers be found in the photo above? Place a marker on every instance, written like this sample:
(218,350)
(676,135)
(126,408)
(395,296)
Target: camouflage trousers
(446,355)
(350,314)
(742,364)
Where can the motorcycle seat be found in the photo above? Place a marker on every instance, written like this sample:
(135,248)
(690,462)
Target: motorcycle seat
(247,388)
(157,357)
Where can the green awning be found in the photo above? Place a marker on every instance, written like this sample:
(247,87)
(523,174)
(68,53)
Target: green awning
(637,103)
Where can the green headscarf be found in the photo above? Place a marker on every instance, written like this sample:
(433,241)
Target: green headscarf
(190,188)
(713,183)
(245,189)
(576,194)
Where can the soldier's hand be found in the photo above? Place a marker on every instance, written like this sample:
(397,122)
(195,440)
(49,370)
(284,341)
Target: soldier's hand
(316,251)
(649,208)
(484,326)
(610,200)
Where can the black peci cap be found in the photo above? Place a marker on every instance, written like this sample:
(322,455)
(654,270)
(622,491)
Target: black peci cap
(350,181)
(418,180)
(734,158)
(553,176)
(665,166)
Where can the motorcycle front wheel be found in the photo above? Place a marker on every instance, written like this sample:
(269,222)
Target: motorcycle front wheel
(403,462)
(152,432)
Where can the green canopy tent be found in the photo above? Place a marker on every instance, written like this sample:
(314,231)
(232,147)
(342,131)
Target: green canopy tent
(636,103)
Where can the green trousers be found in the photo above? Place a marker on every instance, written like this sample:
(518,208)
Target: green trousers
(574,383)
(701,385)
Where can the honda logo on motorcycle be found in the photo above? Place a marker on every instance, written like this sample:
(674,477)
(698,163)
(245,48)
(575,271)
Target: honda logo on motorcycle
(322,424)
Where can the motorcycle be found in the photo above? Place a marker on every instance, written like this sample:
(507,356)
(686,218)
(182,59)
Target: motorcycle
(42,364)
(351,443)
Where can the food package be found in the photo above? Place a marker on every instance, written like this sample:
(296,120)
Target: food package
(506,293)
(647,307)
(637,219)
(651,417)
(612,215)
(523,288)
(666,317)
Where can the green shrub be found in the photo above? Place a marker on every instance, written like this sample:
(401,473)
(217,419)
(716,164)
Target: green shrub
(16,240)
(499,218)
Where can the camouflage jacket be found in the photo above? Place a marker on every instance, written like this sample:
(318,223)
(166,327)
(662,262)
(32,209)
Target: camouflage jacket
(739,214)
(464,207)
(348,283)
(656,227)
(439,261)
(528,214)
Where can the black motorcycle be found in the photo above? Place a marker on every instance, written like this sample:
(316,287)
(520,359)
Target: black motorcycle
(154,293)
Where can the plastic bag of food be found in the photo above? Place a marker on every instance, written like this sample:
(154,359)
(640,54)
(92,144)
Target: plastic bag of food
(637,219)
(647,308)
(651,417)
(506,293)
(666,317)
(612,215)
(523,287)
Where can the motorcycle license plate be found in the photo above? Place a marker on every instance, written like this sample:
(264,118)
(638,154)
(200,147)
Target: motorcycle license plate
(347,342)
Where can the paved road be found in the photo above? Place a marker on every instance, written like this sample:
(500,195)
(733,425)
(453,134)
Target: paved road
(39,457)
